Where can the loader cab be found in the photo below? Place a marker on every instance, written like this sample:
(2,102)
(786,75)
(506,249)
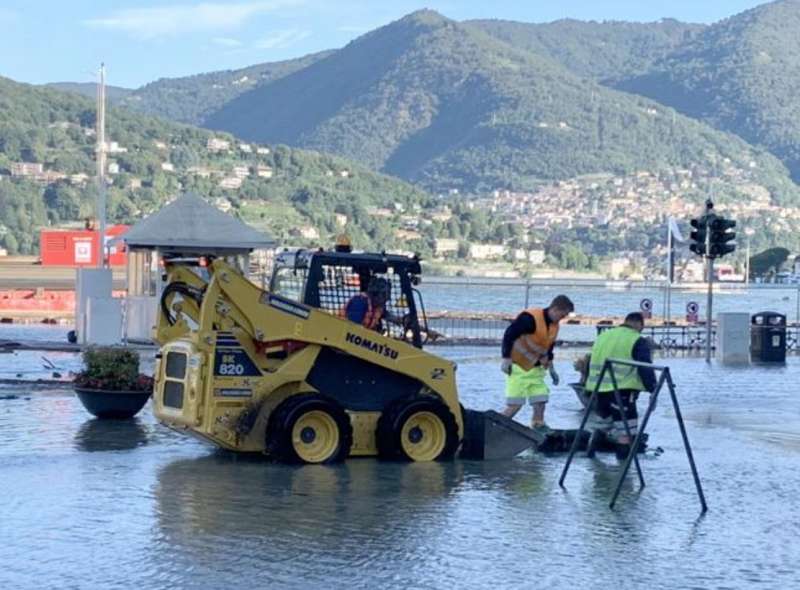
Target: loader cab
(328,279)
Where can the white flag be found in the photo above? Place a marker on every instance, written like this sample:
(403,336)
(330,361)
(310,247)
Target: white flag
(675,231)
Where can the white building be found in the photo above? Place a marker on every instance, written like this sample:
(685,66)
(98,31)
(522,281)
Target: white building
(445,246)
(26,169)
(308,232)
(241,171)
(487,251)
(264,171)
(223,204)
(200,171)
(217,145)
(230,182)
(535,257)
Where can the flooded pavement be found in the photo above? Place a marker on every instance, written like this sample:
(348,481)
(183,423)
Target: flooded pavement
(91,504)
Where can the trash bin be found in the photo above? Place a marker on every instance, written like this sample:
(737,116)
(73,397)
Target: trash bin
(768,337)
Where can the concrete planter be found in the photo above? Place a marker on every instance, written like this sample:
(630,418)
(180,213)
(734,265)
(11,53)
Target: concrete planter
(106,403)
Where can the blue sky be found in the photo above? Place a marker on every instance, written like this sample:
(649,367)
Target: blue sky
(140,41)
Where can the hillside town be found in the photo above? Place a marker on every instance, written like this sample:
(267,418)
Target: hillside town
(624,205)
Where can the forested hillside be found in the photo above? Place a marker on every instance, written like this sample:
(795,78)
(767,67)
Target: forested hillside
(741,75)
(608,51)
(193,98)
(446,106)
(288,192)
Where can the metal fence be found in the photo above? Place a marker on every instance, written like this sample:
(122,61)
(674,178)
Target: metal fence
(463,330)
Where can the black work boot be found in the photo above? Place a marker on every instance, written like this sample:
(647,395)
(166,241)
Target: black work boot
(622,450)
(591,448)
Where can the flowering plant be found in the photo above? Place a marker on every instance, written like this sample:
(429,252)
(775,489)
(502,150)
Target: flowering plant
(114,369)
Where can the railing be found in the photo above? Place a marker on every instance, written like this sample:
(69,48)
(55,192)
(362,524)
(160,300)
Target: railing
(482,330)
(690,337)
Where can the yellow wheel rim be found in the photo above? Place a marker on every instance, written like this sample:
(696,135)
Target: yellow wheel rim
(423,436)
(315,437)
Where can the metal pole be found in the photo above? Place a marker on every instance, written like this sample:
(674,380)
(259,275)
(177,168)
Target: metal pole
(576,440)
(710,316)
(101,167)
(618,399)
(747,264)
(670,271)
(686,444)
(797,311)
(635,448)
(527,292)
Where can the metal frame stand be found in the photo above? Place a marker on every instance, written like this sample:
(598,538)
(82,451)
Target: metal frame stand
(664,378)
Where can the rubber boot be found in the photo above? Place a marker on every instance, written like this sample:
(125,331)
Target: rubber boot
(591,448)
(622,450)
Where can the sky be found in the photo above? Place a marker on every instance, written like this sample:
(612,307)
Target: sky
(140,41)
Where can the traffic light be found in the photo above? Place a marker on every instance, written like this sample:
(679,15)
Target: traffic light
(698,235)
(721,234)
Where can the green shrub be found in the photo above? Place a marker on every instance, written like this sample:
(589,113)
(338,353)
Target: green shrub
(111,368)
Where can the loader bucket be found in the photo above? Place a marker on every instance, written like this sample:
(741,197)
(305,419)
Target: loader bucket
(490,435)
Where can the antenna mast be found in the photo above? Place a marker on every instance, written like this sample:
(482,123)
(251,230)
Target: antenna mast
(101,167)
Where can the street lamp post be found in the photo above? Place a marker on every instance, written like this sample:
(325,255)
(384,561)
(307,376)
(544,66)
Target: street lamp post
(748,232)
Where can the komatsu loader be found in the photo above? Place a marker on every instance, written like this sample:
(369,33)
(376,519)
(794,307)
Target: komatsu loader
(281,371)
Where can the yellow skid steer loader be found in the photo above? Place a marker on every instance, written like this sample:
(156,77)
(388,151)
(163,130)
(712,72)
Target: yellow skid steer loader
(282,372)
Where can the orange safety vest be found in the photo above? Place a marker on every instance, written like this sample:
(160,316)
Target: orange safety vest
(373,316)
(530,349)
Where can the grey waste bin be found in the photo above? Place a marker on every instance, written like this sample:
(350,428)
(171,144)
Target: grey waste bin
(768,337)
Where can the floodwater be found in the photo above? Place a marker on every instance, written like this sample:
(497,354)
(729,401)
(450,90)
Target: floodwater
(92,504)
(602,301)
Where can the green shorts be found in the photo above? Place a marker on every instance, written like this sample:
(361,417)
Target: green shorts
(526,386)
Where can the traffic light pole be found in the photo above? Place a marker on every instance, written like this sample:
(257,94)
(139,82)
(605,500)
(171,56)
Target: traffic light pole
(710,317)
(709,303)
(710,239)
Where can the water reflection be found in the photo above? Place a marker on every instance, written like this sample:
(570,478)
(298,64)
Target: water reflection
(110,435)
(239,495)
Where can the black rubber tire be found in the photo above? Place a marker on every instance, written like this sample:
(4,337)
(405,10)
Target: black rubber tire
(394,416)
(283,418)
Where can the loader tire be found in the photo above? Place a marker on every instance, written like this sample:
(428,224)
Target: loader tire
(420,428)
(309,428)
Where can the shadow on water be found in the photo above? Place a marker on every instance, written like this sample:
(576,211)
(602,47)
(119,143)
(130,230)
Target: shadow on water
(110,435)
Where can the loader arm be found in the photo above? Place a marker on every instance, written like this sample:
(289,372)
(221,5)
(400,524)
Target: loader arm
(168,328)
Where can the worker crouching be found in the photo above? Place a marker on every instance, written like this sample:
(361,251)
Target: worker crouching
(624,343)
(527,352)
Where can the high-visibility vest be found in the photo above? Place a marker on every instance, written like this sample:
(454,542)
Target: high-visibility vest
(373,316)
(616,343)
(530,349)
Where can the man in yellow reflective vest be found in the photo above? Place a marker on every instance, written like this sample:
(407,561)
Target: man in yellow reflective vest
(528,354)
(625,343)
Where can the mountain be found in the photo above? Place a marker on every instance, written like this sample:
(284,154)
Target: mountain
(113,93)
(741,75)
(290,193)
(192,98)
(606,51)
(447,106)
